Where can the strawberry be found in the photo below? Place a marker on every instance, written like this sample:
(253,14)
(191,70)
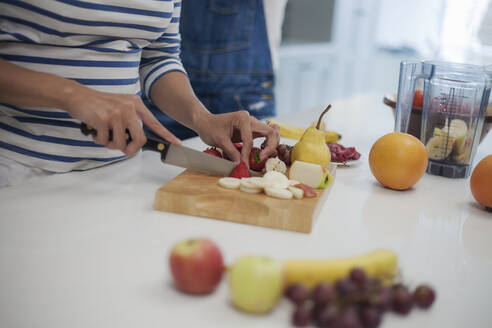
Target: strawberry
(254,160)
(240,171)
(213,151)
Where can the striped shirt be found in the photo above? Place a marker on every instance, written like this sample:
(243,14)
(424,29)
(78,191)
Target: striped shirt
(118,46)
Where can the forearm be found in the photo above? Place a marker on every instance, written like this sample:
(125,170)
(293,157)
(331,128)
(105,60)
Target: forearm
(173,94)
(20,86)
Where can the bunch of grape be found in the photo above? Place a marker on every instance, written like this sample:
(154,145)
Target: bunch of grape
(354,302)
(340,153)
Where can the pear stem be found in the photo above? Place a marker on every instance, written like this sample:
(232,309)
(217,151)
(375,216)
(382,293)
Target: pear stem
(321,116)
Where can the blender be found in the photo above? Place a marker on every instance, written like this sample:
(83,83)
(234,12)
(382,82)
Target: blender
(455,98)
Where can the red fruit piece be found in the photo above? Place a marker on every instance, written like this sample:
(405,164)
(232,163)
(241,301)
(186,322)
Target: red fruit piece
(240,171)
(308,191)
(213,151)
(254,160)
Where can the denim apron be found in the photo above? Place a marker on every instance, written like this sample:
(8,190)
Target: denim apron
(225,51)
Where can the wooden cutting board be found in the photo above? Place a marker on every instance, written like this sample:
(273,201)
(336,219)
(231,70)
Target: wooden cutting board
(198,194)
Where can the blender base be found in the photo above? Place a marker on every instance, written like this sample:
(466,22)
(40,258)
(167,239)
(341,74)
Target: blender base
(454,171)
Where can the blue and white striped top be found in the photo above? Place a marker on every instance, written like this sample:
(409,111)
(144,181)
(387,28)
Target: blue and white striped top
(119,46)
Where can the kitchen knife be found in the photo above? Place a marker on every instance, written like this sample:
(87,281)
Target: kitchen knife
(179,155)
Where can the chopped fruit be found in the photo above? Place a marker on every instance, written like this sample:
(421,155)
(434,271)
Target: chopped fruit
(313,175)
(275,179)
(275,164)
(278,192)
(213,151)
(254,160)
(308,191)
(341,154)
(297,192)
(230,183)
(250,190)
(240,171)
(251,183)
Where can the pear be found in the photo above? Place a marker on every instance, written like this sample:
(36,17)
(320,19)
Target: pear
(312,146)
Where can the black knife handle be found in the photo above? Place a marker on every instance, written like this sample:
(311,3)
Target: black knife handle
(153,143)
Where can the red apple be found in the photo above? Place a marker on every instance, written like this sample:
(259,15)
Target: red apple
(196,265)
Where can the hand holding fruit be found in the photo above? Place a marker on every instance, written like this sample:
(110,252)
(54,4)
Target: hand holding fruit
(222,130)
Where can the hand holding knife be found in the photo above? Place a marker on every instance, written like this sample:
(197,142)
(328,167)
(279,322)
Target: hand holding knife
(178,155)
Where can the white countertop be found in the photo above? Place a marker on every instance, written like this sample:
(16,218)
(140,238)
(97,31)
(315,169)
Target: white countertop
(87,249)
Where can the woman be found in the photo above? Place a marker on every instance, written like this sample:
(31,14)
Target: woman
(91,64)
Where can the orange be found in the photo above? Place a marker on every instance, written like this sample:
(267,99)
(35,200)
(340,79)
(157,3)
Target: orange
(398,160)
(481,182)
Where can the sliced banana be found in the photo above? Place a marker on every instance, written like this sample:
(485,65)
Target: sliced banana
(275,179)
(278,193)
(457,128)
(440,146)
(296,192)
(257,182)
(249,190)
(251,183)
(230,183)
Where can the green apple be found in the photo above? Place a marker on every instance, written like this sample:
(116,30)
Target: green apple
(256,283)
(313,175)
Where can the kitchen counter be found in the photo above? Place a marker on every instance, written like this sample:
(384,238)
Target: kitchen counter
(86,249)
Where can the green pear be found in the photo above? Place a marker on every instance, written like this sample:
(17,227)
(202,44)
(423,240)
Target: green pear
(256,283)
(312,146)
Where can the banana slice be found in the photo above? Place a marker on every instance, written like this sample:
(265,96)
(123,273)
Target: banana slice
(296,192)
(251,183)
(249,190)
(230,183)
(440,146)
(257,182)
(276,180)
(457,128)
(278,193)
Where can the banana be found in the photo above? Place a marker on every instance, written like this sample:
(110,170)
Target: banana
(293,132)
(230,183)
(381,264)
(278,192)
(298,193)
(440,146)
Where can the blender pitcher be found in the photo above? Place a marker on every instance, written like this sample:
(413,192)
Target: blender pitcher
(455,98)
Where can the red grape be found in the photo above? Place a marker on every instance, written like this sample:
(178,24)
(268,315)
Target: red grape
(348,318)
(345,287)
(370,316)
(359,277)
(323,293)
(301,316)
(297,293)
(328,316)
(382,298)
(424,296)
(402,300)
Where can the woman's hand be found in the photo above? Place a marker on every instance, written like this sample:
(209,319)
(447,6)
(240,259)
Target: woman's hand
(116,112)
(20,86)
(222,130)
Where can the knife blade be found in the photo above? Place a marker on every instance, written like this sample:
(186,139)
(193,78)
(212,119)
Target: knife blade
(181,156)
